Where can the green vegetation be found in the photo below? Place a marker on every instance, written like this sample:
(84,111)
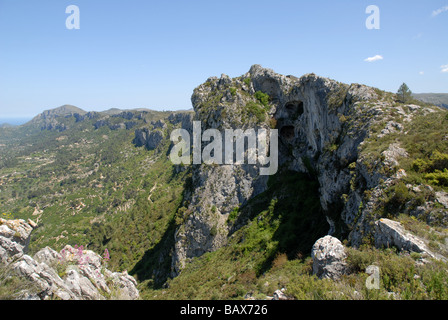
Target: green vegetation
(10,287)
(426,145)
(91,186)
(233,215)
(255,263)
(435,168)
(279,223)
(86,183)
(257,110)
(263,98)
(404,94)
(337,96)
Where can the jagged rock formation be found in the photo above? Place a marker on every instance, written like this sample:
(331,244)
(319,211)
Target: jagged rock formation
(307,112)
(185,119)
(324,130)
(72,274)
(14,238)
(148,138)
(152,135)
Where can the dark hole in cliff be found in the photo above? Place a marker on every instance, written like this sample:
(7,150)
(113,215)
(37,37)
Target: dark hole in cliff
(287,133)
(294,108)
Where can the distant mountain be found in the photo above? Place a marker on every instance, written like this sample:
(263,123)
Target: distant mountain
(438,99)
(64,110)
(59,119)
(112,111)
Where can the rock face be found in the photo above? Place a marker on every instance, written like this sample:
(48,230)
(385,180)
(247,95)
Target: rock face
(325,129)
(151,136)
(329,256)
(72,274)
(390,233)
(147,138)
(14,238)
(321,123)
(185,119)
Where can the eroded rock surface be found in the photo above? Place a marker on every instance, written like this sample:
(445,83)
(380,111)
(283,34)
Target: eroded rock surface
(72,274)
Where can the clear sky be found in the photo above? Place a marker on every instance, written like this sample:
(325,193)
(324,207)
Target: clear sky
(152,54)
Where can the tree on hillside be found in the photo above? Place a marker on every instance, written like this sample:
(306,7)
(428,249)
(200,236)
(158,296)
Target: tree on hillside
(404,93)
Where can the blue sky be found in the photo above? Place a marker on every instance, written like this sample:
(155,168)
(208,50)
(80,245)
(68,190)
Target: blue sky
(152,54)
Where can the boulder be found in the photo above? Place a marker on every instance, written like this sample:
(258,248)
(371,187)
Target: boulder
(81,286)
(329,258)
(280,295)
(393,154)
(442,198)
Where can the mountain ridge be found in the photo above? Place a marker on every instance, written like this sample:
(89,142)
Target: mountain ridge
(439,99)
(349,156)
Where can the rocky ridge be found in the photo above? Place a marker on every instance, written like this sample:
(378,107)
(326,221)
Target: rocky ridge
(71,274)
(325,128)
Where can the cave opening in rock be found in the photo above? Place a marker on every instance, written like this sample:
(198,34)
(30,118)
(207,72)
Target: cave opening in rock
(287,133)
(294,108)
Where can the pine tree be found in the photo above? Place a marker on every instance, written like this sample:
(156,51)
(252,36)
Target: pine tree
(404,94)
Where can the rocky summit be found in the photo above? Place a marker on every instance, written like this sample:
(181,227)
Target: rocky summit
(361,184)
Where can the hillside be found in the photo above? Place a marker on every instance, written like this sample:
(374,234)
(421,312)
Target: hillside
(81,171)
(354,164)
(438,99)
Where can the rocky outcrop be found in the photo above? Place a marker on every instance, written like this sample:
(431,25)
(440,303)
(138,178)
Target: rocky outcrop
(185,119)
(329,258)
(326,130)
(159,124)
(390,233)
(321,124)
(14,238)
(72,274)
(280,295)
(148,138)
(156,132)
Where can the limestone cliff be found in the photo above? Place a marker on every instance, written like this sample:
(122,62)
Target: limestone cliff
(325,128)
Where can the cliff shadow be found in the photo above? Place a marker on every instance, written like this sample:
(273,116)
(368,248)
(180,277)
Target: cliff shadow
(155,265)
(293,201)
